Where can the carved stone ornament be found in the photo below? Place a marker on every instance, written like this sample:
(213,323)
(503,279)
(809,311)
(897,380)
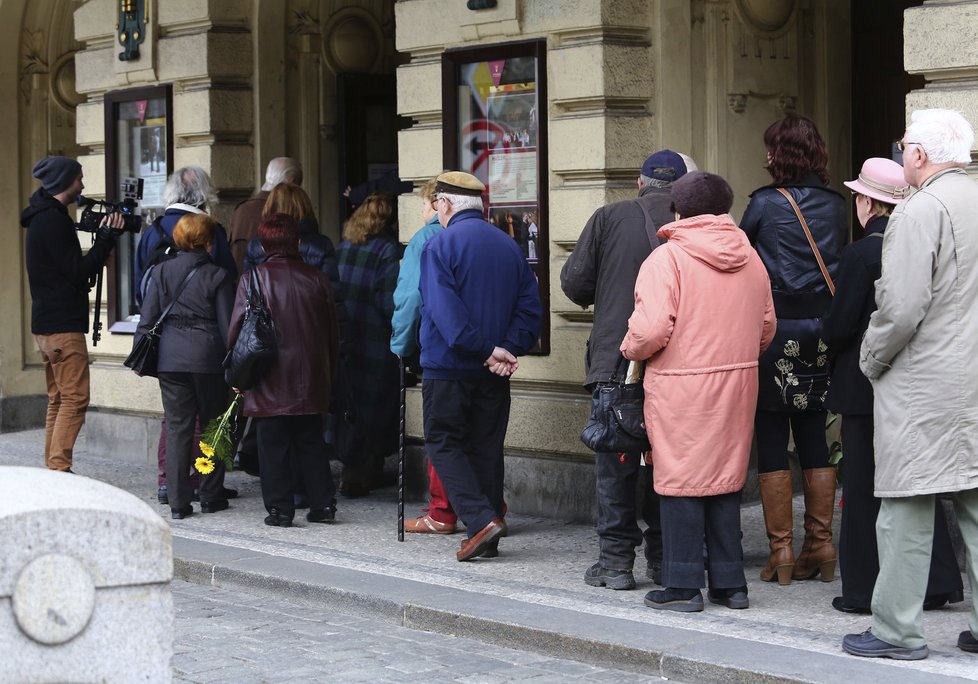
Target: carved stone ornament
(353,42)
(63,83)
(737,102)
(766,17)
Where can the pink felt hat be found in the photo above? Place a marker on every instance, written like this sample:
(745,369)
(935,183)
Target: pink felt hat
(882,179)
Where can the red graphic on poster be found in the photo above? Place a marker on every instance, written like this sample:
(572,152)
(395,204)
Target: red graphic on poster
(496,70)
(478,138)
(141,109)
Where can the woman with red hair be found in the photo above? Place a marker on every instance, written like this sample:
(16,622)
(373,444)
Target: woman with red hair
(801,256)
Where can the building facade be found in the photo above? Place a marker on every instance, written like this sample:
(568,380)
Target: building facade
(555,104)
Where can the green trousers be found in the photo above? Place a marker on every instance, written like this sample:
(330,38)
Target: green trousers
(905,535)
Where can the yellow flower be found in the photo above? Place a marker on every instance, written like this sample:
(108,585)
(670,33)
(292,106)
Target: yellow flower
(204,465)
(206,449)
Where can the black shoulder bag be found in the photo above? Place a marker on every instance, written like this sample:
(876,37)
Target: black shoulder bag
(145,355)
(257,345)
(617,422)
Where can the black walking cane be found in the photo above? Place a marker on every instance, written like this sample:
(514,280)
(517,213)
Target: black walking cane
(400,460)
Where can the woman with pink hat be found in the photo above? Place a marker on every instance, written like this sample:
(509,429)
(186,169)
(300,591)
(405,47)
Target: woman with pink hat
(879,187)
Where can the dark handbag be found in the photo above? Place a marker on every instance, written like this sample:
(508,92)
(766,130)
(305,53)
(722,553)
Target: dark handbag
(617,422)
(257,345)
(145,355)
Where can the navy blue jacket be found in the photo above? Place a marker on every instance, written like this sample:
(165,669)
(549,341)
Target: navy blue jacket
(162,228)
(477,293)
(847,319)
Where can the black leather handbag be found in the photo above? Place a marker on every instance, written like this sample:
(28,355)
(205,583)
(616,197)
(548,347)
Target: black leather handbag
(617,422)
(145,355)
(257,345)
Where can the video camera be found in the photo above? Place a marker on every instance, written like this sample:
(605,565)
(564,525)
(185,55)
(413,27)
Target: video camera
(95,210)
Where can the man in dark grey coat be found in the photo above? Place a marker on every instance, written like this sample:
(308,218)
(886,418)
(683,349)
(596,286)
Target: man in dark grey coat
(601,272)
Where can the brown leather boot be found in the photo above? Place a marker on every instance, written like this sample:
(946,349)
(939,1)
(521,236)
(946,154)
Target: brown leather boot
(818,554)
(776,500)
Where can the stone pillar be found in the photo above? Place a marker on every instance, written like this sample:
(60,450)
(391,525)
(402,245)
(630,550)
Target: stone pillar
(84,581)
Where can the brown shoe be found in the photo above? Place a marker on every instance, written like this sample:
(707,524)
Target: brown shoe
(476,545)
(425,524)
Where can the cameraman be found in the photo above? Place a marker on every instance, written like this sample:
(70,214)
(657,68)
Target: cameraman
(60,278)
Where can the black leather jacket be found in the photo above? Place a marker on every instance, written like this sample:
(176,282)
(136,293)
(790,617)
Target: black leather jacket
(797,283)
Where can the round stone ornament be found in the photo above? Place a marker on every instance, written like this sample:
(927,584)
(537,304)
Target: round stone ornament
(53,599)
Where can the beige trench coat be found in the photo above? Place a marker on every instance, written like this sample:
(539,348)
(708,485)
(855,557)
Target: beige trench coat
(921,348)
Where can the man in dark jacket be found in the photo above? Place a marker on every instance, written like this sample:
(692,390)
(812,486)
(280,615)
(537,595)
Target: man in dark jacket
(480,310)
(601,271)
(60,278)
(247,215)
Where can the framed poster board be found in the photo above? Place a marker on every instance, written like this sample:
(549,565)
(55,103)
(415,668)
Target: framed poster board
(494,103)
(138,144)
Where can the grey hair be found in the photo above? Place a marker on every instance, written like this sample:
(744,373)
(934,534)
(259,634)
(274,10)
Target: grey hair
(463,202)
(282,170)
(190,185)
(945,135)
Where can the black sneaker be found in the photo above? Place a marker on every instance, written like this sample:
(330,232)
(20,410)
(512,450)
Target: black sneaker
(213,506)
(654,572)
(679,600)
(181,513)
(731,598)
(967,642)
(321,515)
(600,576)
(276,518)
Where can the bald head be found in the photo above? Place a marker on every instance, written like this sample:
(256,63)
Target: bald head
(282,170)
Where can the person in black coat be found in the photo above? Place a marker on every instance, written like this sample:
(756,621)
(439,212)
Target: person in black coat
(192,348)
(60,278)
(879,187)
(794,369)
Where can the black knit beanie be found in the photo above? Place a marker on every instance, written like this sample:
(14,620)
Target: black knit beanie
(56,173)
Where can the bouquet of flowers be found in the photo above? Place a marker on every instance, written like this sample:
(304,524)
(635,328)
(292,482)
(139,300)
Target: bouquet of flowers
(216,442)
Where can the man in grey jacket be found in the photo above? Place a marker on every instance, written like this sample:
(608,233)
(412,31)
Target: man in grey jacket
(601,271)
(919,352)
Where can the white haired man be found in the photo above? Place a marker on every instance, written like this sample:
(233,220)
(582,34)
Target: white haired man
(919,353)
(247,215)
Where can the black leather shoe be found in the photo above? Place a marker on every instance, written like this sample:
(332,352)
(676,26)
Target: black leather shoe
(275,518)
(195,496)
(839,603)
(213,506)
(161,495)
(321,515)
(181,513)
(731,598)
(941,600)
(229,493)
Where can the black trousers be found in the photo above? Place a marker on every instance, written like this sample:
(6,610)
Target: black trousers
(689,520)
(858,555)
(293,443)
(464,428)
(616,477)
(771,431)
(187,396)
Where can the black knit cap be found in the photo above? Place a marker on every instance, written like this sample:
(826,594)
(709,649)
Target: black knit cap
(56,173)
(699,193)
(459,183)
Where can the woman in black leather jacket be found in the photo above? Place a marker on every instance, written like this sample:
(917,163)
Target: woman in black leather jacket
(794,370)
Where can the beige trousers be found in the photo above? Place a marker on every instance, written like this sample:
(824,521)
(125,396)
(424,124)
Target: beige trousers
(65,358)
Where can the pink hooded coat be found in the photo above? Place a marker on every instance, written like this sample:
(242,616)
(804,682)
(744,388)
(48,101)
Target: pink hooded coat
(703,315)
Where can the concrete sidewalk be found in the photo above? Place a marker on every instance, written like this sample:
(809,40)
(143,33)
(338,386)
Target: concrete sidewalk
(531,596)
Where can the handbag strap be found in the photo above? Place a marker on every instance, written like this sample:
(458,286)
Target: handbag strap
(166,311)
(811,240)
(650,228)
(254,288)
(621,370)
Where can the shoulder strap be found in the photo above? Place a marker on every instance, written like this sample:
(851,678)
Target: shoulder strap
(650,228)
(166,311)
(811,240)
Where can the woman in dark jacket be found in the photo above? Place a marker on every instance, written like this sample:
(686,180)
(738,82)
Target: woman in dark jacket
(877,190)
(794,369)
(191,351)
(368,263)
(315,248)
(289,400)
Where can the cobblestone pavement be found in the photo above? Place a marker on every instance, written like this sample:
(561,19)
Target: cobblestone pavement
(235,637)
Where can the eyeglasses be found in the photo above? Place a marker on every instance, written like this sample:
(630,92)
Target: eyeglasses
(901,145)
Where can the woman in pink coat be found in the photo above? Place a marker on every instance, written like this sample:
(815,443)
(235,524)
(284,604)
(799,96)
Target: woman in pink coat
(703,315)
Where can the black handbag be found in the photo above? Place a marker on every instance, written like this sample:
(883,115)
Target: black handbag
(257,345)
(145,355)
(617,422)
